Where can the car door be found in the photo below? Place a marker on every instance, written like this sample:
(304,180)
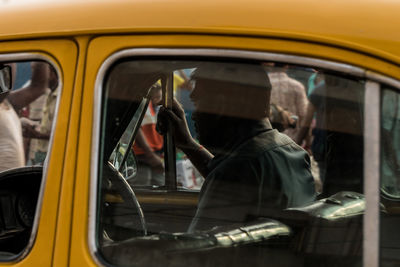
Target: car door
(37,188)
(337,228)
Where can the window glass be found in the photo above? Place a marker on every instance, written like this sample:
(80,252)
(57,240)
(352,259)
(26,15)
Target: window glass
(265,169)
(188,177)
(390,177)
(28,94)
(391,143)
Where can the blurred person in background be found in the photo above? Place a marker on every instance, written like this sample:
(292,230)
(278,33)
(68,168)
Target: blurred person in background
(41,131)
(149,144)
(337,144)
(288,94)
(11,142)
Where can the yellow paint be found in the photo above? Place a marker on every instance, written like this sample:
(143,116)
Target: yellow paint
(369,26)
(64,226)
(63,53)
(85,33)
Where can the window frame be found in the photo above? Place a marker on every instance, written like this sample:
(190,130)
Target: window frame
(29,57)
(371,128)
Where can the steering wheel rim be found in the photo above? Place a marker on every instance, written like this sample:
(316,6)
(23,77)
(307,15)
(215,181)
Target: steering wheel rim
(114,182)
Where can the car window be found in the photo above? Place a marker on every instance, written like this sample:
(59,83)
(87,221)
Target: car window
(276,164)
(143,164)
(390,176)
(187,176)
(29,109)
(391,143)
(29,92)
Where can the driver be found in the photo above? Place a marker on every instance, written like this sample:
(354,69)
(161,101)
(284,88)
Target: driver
(250,169)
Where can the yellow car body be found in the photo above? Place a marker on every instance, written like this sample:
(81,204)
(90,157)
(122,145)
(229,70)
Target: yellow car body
(79,36)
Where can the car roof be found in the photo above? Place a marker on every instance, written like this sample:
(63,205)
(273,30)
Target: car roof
(368,26)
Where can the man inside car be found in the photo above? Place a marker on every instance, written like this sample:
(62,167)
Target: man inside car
(250,169)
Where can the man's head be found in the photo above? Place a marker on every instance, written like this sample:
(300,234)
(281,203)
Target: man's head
(226,95)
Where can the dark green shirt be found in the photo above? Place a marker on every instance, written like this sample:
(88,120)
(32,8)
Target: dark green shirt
(264,172)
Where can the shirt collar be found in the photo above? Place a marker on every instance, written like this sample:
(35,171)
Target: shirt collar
(256,129)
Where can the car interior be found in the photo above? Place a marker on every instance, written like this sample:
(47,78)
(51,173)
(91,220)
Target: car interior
(327,232)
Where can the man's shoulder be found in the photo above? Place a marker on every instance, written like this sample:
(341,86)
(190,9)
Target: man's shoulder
(264,143)
(263,150)
(279,77)
(296,85)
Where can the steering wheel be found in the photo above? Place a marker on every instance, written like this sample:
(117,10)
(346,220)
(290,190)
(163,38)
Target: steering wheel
(121,216)
(19,191)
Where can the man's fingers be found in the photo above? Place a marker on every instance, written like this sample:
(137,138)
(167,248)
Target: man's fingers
(165,115)
(172,116)
(177,108)
(162,122)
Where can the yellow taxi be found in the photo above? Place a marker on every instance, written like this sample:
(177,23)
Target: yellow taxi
(199,133)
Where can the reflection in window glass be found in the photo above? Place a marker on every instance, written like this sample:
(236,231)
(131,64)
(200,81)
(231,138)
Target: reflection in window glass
(337,144)
(188,177)
(27,115)
(391,143)
(28,94)
(390,177)
(148,145)
(268,170)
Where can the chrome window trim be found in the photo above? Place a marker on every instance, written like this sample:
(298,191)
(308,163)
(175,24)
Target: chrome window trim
(372,142)
(223,53)
(98,95)
(15,57)
(373,76)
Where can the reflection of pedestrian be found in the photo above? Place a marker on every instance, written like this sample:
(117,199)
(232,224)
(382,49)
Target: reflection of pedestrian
(43,130)
(148,145)
(289,94)
(337,144)
(11,143)
(35,115)
(390,172)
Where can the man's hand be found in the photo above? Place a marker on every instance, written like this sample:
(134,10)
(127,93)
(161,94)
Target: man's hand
(29,128)
(179,127)
(39,83)
(175,119)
